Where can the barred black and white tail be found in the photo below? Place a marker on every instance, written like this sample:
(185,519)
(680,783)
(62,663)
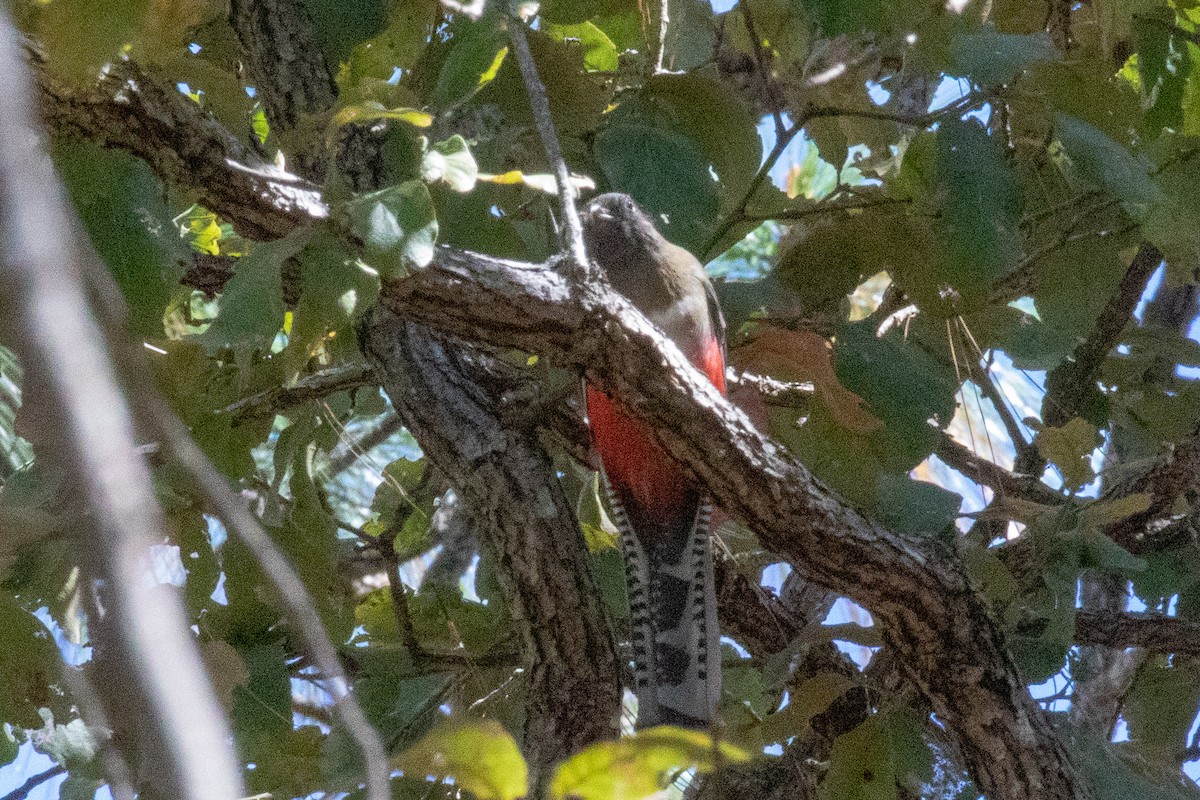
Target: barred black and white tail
(673,614)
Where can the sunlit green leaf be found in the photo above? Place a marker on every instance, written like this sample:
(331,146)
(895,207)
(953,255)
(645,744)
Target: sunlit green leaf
(398,227)
(1070,449)
(450,161)
(480,756)
(599,53)
(634,767)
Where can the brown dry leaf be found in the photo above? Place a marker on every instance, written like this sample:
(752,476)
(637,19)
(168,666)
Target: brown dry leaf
(806,356)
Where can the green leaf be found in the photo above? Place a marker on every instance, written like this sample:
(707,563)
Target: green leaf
(665,172)
(480,756)
(1159,709)
(402,42)
(715,119)
(398,227)
(29,664)
(340,32)
(251,307)
(477,50)
(904,387)
(1090,155)
(825,257)
(1102,513)
(872,761)
(450,161)
(599,53)
(77,787)
(1101,553)
(812,697)
(120,202)
(989,572)
(1066,295)
(1115,772)
(855,16)
(81,36)
(1164,66)
(9,746)
(989,57)
(915,507)
(981,212)
(1173,224)
(633,767)
(1070,449)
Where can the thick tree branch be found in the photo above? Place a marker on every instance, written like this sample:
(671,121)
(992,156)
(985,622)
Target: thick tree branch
(1165,483)
(78,412)
(1073,382)
(1152,632)
(130,110)
(287,68)
(940,629)
(529,526)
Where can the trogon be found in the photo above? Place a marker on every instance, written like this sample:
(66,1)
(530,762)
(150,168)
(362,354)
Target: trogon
(662,516)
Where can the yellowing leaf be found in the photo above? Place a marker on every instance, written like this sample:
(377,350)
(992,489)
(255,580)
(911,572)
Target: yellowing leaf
(480,756)
(1070,449)
(1105,512)
(489,74)
(541,181)
(632,768)
(371,110)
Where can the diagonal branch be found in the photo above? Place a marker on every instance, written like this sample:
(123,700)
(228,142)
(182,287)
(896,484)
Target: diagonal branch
(80,416)
(1072,383)
(939,628)
(941,631)
(129,110)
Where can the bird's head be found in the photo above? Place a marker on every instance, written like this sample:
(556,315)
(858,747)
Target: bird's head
(614,224)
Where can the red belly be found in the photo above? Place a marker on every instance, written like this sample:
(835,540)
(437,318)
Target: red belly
(659,500)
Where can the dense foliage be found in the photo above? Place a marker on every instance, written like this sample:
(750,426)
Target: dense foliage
(928,221)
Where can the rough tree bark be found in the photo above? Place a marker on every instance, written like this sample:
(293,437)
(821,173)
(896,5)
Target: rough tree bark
(941,631)
(450,400)
(939,628)
(530,527)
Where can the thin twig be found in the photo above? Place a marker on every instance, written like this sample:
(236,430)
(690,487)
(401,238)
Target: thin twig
(22,791)
(343,457)
(760,56)
(297,603)
(825,207)
(782,140)
(310,387)
(737,214)
(544,122)
(660,45)
(76,402)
